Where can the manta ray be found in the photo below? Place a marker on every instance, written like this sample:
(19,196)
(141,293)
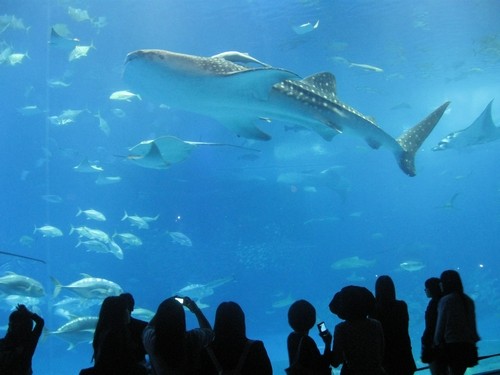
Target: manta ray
(482,130)
(163,152)
(227,88)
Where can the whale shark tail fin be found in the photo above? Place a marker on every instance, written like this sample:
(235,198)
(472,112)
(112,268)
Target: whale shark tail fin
(411,140)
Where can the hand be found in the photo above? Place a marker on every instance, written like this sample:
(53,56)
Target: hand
(190,304)
(327,338)
(22,308)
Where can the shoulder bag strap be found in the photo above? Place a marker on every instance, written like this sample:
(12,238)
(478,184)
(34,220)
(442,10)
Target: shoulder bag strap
(243,356)
(297,355)
(214,359)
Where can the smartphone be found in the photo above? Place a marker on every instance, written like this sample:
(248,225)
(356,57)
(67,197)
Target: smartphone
(180,300)
(322,328)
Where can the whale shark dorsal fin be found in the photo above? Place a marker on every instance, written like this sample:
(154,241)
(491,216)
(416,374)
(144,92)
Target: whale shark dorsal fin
(324,82)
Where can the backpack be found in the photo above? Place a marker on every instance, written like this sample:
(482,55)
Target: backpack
(239,366)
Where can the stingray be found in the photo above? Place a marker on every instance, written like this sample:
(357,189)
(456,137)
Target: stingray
(482,130)
(62,40)
(239,96)
(163,152)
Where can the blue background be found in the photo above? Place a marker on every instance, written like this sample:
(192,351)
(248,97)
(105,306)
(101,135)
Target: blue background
(277,240)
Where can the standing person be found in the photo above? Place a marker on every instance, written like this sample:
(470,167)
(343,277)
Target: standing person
(136,328)
(113,347)
(429,352)
(172,349)
(456,332)
(393,315)
(231,350)
(303,353)
(19,344)
(358,342)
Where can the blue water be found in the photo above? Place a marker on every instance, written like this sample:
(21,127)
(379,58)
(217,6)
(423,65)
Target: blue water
(277,241)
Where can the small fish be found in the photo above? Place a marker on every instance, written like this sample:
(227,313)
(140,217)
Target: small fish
(94,245)
(305,28)
(91,234)
(78,330)
(89,287)
(80,51)
(352,263)
(135,220)
(92,214)
(149,218)
(129,239)
(79,15)
(412,265)
(17,58)
(118,112)
(57,83)
(180,238)
(20,285)
(26,241)
(367,67)
(30,110)
(103,124)
(48,231)
(107,180)
(124,95)
(52,198)
(86,167)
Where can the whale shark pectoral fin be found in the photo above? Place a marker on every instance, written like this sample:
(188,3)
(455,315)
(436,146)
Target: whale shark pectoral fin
(244,127)
(411,140)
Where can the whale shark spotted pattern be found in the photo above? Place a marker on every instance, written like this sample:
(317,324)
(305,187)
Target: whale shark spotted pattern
(239,95)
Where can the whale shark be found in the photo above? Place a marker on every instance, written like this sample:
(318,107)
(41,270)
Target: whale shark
(482,130)
(238,96)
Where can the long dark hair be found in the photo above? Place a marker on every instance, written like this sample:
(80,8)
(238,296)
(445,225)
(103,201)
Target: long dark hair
(385,291)
(169,324)
(112,315)
(229,326)
(451,282)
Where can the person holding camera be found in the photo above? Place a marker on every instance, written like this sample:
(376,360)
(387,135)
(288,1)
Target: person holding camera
(303,353)
(18,346)
(172,348)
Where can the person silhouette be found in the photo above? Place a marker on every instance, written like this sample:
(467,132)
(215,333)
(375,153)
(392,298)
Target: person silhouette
(136,328)
(456,333)
(18,346)
(231,350)
(393,315)
(112,344)
(429,352)
(171,348)
(358,342)
(302,350)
